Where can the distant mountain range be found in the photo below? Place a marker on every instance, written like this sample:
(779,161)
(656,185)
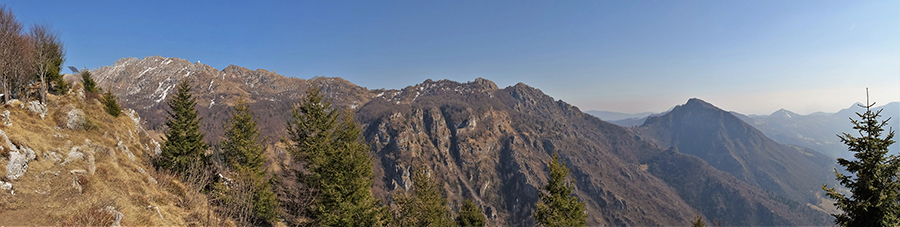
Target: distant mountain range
(624,119)
(492,144)
(817,130)
(615,116)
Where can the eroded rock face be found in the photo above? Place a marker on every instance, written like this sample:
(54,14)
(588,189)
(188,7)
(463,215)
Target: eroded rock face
(15,103)
(38,108)
(122,147)
(5,142)
(75,119)
(4,117)
(18,163)
(134,118)
(74,155)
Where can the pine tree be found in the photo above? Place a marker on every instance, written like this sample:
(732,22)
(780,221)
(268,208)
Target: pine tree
(110,104)
(339,164)
(874,199)
(698,222)
(426,206)
(88,82)
(470,215)
(183,148)
(243,153)
(558,207)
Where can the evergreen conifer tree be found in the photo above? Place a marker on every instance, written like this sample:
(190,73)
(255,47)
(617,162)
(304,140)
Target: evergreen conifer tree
(426,206)
(183,148)
(88,82)
(558,207)
(470,215)
(873,179)
(110,104)
(339,164)
(698,222)
(244,154)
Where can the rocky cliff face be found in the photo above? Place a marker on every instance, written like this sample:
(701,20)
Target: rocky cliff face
(480,141)
(493,145)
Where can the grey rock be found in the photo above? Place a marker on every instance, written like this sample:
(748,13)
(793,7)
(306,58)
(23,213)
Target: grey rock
(75,120)
(74,155)
(134,118)
(18,163)
(153,180)
(92,167)
(6,186)
(4,117)
(77,171)
(4,140)
(118,216)
(158,149)
(75,184)
(53,156)
(38,108)
(15,102)
(122,147)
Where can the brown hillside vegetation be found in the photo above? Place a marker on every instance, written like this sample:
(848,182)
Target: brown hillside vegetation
(91,172)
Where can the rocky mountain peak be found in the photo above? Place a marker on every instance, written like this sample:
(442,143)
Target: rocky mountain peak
(698,103)
(783,113)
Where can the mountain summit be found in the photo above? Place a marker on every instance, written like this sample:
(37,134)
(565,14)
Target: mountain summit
(729,144)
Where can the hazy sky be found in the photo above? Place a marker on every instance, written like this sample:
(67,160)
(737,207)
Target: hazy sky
(753,57)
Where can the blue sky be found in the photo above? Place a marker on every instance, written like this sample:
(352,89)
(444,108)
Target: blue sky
(753,57)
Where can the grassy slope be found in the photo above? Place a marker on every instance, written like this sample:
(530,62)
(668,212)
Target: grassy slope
(43,197)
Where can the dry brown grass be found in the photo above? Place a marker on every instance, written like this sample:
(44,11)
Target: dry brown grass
(45,195)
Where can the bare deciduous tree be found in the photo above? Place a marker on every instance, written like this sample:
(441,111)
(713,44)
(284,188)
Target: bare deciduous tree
(10,34)
(48,55)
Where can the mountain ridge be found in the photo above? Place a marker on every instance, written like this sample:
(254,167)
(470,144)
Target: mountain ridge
(819,130)
(483,142)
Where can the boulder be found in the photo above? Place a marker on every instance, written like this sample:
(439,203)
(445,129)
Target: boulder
(18,163)
(5,142)
(15,102)
(4,117)
(74,155)
(75,119)
(6,186)
(38,108)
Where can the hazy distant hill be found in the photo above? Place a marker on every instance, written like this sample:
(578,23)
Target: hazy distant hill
(818,130)
(733,146)
(629,122)
(482,142)
(614,116)
(624,119)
